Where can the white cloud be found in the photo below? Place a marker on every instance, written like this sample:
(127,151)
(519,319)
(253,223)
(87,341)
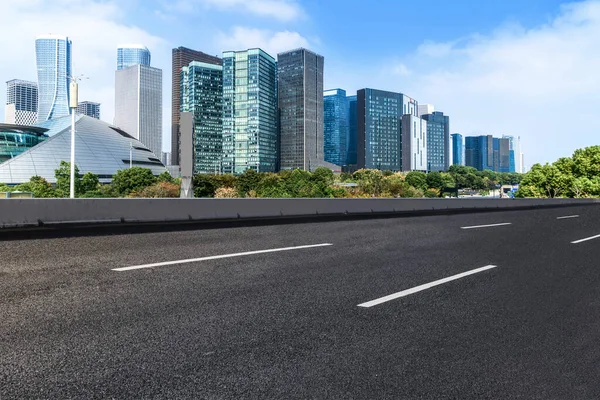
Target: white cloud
(95,28)
(541,84)
(241,38)
(283,10)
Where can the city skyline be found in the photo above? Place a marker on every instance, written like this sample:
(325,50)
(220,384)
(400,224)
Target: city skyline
(406,63)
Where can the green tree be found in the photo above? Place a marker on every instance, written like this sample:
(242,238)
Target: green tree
(63,179)
(38,186)
(272,186)
(204,185)
(247,182)
(323,175)
(586,162)
(127,181)
(435,180)
(417,179)
(370,181)
(89,183)
(165,177)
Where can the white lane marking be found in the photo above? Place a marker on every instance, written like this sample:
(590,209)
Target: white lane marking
(568,217)
(193,260)
(586,239)
(486,226)
(426,286)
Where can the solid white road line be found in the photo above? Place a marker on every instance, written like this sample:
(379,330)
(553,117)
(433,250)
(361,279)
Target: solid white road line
(586,239)
(426,286)
(192,260)
(568,217)
(486,226)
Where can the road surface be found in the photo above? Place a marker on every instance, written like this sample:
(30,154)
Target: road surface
(472,306)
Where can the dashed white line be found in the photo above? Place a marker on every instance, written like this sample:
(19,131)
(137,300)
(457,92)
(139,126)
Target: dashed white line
(568,217)
(193,260)
(486,226)
(586,239)
(426,286)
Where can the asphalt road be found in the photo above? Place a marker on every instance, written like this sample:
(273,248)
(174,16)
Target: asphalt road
(309,322)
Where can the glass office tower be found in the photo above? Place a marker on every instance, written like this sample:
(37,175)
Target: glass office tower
(133,54)
(249,112)
(202,95)
(352,132)
(89,108)
(182,57)
(438,141)
(300,105)
(21,102)
(457,149)
(335,135)
(53,59)
(379,128)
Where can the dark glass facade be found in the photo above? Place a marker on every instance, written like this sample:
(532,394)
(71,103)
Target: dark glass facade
(300,103)
(249,112)
(438,141)
(352,132)
(487,152)
(457,149)
(379,128)
(336,126)
(202,95)
(182,57)
(16,140)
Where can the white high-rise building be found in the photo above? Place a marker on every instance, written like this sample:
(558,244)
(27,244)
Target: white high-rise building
(138,104)
(53,58)
(425,109)
(414,143)
(21,102)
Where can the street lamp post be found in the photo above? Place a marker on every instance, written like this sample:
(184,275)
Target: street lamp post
(73,93)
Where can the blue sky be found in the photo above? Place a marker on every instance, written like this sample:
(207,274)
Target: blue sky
(523,68)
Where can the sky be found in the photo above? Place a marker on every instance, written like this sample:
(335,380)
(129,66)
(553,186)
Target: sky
(523,68)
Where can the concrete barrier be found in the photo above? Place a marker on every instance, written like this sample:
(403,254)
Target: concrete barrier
(39,212)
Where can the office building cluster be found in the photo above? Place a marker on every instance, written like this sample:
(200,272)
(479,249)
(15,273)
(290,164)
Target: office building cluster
(251,110)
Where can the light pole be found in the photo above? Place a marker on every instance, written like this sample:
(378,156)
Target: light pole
(130,155)
(73,103)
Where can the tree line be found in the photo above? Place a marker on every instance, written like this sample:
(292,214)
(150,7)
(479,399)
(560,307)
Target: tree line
(321,183)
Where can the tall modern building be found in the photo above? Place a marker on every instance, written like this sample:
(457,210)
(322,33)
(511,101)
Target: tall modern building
(457,149)
(166,158)
(414,143)
(89,108)
(335,135)
(438,141)
(379,128)
(515,153)
(53,59)
(138,104)
(300,104)
(425,109)
(21,102)
(202,95)
(487,152)
(132,54)
(182,57)
(352,132)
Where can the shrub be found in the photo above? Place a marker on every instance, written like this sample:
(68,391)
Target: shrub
(226,193)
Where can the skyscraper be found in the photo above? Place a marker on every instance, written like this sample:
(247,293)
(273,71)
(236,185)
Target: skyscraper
(457,149)
(21,102)
(129,55)
(182,57)
(202,95)
(379,128)
(438,141)
(300,104)
(414,143)
(352,132)
(335,135)
(487,152)
(425,109)
(138,104)
(515,153)
(53,59)
(89,108)
(249,111)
